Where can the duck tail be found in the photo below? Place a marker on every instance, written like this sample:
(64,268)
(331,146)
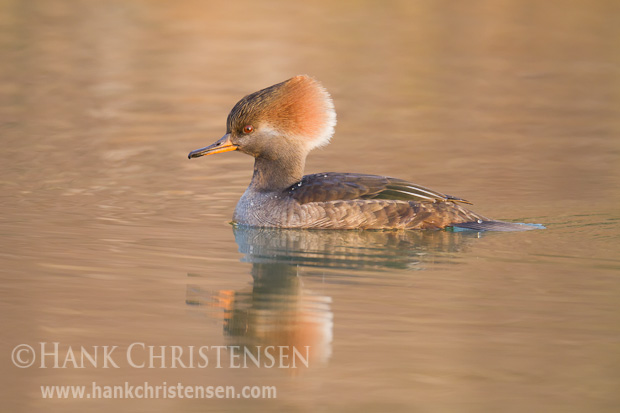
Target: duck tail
(501,226)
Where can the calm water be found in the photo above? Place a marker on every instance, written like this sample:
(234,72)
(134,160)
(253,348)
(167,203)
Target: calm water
(109,236)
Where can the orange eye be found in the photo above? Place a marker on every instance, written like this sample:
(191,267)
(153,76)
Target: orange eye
(248,129)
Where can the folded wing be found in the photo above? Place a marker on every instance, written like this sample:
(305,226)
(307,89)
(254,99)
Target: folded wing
(333,186)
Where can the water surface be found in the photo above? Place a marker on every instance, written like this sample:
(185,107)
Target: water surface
(110,236)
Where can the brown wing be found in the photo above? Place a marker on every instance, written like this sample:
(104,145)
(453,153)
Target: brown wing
(331,186)
(384,214)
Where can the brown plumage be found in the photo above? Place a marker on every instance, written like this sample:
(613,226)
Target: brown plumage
(278,126)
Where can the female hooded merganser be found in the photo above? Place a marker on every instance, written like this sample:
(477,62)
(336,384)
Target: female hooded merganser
(279,126)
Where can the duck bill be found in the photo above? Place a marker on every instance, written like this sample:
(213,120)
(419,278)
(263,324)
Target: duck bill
(223,145)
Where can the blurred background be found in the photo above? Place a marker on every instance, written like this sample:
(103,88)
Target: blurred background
(110,236)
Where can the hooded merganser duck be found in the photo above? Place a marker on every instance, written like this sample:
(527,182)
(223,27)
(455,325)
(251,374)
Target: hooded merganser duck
(279,126)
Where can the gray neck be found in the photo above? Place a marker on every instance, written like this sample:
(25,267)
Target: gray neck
(277,173)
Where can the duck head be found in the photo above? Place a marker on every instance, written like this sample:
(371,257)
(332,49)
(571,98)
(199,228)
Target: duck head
(286,120)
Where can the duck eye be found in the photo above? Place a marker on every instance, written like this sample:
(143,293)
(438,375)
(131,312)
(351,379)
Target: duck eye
(248,129)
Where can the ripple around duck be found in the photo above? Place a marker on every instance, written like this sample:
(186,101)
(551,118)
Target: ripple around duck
(348,249)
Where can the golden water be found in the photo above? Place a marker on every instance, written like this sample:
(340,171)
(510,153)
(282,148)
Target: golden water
(110,236)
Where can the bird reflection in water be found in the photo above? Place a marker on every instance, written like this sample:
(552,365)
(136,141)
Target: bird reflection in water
(277,310)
